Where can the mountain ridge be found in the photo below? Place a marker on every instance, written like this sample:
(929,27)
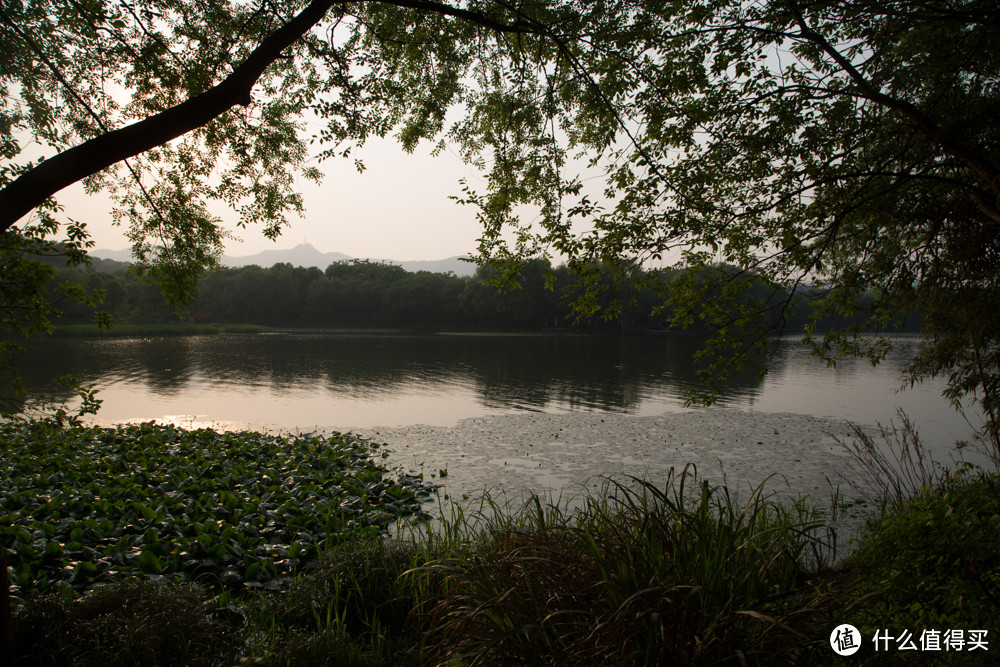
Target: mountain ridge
(304,254)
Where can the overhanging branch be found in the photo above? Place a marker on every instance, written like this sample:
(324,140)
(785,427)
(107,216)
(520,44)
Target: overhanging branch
(973,159)
(32,188)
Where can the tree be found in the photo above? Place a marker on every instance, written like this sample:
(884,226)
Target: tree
(205,102)
(171,105)
(842,143)
(850,145)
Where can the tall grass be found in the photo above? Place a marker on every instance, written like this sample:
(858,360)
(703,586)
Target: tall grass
(638,575)
(893,468)
(351,608)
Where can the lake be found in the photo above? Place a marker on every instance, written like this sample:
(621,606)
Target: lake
(302,381)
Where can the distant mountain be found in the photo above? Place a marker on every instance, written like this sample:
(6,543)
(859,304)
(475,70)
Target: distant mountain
(116,255)
(301,255)
(306,255)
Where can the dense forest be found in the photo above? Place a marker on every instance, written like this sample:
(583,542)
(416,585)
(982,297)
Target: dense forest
(367,294)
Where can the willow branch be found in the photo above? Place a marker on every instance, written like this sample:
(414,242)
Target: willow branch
(32,188)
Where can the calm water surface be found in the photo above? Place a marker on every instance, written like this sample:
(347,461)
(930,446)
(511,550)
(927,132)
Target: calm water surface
(300,381)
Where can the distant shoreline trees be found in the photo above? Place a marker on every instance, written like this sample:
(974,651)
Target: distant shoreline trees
(360,293)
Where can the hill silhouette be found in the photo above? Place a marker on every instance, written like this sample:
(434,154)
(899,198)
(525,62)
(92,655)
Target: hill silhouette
(306,255)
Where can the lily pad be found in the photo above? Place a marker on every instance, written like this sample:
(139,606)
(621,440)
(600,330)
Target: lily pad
(85,504)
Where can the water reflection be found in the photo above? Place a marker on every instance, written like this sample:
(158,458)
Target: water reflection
(296,380)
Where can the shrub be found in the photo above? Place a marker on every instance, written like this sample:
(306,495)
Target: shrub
(130,622)
(935,562)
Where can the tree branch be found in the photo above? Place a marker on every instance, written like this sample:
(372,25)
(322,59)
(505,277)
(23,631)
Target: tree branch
(966,154)
(33,187)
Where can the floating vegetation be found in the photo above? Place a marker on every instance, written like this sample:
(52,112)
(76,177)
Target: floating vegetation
(83,505)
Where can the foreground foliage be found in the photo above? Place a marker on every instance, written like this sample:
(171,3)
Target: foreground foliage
(638,574)
(81,505)
(934,563)
(131,622)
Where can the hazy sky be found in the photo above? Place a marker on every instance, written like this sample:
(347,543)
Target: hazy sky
(397,209)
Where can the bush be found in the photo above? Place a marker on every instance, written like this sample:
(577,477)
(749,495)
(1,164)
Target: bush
(130,622)
(934,563)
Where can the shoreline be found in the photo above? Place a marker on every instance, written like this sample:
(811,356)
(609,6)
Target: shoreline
(563,457)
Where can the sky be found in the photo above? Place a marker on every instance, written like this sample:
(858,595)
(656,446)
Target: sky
(397,209)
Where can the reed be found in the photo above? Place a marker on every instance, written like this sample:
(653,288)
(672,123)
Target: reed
(639,575)
(894,467)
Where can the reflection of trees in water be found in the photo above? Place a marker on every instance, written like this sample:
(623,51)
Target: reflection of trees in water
(164,365)
(607,373)
(527,372)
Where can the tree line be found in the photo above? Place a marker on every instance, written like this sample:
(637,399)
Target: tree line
(361,294)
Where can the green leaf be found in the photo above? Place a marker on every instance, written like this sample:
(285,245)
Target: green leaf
(84,570)
(150,562)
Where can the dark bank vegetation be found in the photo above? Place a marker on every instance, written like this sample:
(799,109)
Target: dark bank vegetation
(362,294)
(674,573)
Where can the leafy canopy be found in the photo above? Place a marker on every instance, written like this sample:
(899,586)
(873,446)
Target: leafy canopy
(850,144)
(175,107)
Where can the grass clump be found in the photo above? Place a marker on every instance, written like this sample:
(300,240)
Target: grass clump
(352,607)
(639,575)
(893,468)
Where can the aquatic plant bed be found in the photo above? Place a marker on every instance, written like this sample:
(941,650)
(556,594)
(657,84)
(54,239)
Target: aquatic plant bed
(82,505)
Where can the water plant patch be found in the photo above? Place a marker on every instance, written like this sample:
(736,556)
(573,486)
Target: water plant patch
(83,505)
